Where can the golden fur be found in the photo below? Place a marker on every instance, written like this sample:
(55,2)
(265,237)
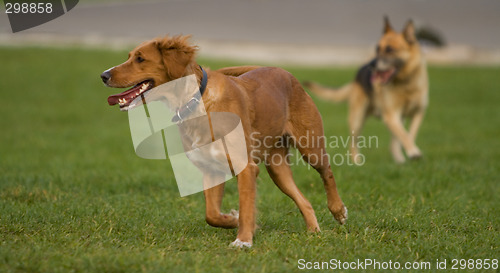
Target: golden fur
(269,101)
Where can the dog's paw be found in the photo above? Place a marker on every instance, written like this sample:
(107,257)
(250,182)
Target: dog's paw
(415,154)
(240,244)
(340,215)
(416,157)
(235,214)
(400,160)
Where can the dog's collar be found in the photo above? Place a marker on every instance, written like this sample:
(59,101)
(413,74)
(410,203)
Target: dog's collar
(191,105)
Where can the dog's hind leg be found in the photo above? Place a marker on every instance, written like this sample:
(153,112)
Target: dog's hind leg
(311,144)
(319,160)
(306,130)
(213,202)
(279,169)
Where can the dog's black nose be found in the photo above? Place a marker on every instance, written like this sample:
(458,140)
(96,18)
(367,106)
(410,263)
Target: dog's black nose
(105,76)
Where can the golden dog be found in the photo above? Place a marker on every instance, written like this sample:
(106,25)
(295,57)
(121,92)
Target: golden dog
(393,86)
(272,106)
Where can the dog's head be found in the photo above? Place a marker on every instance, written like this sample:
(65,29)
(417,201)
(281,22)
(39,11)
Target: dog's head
(149,65)
(395,51)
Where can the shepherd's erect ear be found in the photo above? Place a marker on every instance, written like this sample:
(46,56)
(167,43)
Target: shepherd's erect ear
(387,25)
(409,32)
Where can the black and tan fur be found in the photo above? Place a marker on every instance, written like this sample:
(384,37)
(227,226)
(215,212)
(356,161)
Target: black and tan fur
(393,86)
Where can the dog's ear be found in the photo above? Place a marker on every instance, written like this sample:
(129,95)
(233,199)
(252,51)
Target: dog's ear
(409,32)
(387,25)
(177,55)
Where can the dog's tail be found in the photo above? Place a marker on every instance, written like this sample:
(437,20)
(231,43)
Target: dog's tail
(237,70)
(327,93)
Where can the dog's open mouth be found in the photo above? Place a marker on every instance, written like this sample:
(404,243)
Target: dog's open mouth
(125,98)
(383,76)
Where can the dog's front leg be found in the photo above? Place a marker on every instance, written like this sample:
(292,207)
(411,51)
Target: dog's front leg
(416,121)
(396,151)
(213,202)
(395,124)
(247,192)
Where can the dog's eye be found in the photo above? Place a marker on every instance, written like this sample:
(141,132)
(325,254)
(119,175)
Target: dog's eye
(389,49)
(139,59)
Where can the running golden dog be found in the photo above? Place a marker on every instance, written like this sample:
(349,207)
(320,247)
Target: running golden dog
(393,86)
(272,105)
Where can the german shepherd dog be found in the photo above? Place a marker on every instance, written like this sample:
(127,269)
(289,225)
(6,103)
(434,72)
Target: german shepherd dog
(393,86)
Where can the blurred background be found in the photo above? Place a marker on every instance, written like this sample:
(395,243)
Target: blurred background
(319,32)
(74,197)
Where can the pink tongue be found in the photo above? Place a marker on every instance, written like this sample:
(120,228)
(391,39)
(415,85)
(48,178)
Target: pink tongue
(382,76)
(127,95)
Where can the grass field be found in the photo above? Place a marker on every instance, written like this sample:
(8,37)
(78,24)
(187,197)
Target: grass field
(74,197)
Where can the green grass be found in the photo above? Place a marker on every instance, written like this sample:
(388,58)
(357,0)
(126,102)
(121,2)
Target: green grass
(74,197)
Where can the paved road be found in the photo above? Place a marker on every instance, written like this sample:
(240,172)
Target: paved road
(324,23)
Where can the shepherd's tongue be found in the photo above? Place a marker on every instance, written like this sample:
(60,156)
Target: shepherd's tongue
(114,99)
(386,75)
(383,76)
